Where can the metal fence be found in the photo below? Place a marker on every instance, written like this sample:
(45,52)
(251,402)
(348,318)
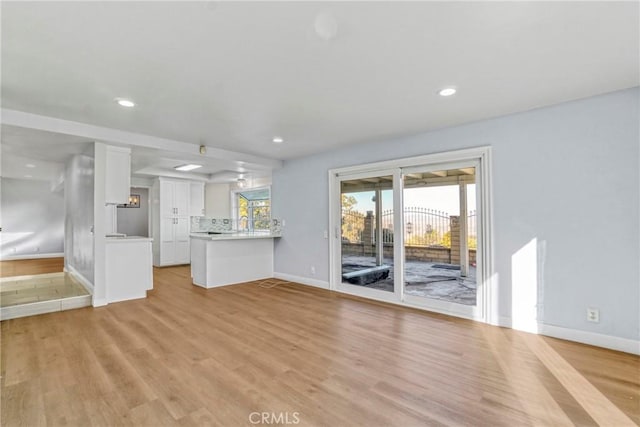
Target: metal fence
(422,227)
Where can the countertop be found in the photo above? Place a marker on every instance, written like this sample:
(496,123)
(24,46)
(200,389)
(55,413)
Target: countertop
(129,239)
(233,235)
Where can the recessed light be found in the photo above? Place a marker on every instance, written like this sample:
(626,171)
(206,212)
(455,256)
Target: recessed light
(448,91)
(187,167)
(125,102)
(277,140)
(30,165)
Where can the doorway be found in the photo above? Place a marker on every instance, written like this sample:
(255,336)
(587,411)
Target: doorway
(415,232)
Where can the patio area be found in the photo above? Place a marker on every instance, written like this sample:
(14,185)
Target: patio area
(425,279)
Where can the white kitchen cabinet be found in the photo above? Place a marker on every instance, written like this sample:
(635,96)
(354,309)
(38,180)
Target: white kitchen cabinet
(128,271)
(174,198)
(170,221)
(174,241)
(197,199)
(117,175)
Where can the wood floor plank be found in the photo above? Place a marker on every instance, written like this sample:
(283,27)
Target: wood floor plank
(25,267)
(187,356)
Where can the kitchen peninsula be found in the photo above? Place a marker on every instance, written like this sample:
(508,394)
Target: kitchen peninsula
(225,258)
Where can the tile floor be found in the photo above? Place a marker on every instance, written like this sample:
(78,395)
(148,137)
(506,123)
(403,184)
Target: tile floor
(37,288)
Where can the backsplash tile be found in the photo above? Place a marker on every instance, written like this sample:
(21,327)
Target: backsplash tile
(199,223)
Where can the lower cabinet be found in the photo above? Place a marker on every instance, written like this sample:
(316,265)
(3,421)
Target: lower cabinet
(174,241)
(128,272)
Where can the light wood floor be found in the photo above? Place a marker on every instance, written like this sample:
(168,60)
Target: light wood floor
(26,267)
(189,356)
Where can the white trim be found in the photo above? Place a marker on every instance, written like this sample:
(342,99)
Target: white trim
(99,302)
(592,338)
(42,307)
(303,280)
(32,256)
(80,278)
(585,337)
(406,162)
(503,321)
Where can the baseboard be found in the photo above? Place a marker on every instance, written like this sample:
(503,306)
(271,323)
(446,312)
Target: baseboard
(43,307)
(99,302)
(591,338)
(32,256)
(304,280)
(80,278)
(600,340)
(504,322)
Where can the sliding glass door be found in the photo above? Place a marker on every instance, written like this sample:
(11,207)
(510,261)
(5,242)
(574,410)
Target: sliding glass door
(367,227)
(441,237)
(412,234)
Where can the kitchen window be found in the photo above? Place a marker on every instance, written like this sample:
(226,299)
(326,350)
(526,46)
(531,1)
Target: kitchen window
(252,209)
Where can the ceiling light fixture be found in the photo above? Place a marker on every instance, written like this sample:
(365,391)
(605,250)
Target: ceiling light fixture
(278,140)
(448,91)
(125,102)
(188,167)
(30,165)
(242,182)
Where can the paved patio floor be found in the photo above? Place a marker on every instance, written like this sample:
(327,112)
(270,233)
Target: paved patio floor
(425,279)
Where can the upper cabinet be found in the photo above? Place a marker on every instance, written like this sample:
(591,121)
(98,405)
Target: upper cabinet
(117,175)
(197,199)
(174,198)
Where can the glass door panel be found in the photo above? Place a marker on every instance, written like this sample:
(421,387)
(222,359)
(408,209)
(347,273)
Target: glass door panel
(367,227)
(439,219)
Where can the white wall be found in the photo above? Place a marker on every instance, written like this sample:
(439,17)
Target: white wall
(217,199)
(135,221)
(79,195)
(566,175)
(32,218)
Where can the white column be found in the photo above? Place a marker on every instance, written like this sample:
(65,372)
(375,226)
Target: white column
(379,235)
(464,250)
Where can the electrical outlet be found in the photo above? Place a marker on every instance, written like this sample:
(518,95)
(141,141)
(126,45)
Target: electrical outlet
(326,234)
(593,315)
(283,223)
(313,270)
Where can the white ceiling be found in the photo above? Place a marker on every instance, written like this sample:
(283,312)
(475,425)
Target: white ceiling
(232,75)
